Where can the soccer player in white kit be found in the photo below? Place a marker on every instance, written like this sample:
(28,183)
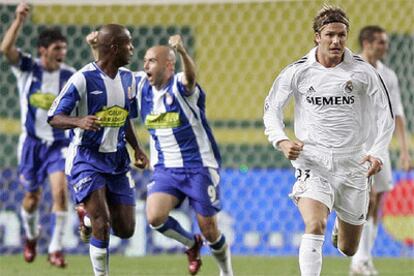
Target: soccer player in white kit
(41,148)
(374,44)
(337,97)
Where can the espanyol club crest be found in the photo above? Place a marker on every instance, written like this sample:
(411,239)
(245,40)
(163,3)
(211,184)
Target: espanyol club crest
(168,99)
(348,86)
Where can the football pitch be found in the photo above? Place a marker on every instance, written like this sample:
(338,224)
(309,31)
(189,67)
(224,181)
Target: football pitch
(176,265)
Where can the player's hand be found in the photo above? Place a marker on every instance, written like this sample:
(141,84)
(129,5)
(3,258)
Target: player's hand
(90,122)
(291,149)
(92,39)
(176,42)
(141,159)
(405,161)
(22,11)
(375,165)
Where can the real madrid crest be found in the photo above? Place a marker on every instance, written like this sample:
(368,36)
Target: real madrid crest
(168,99)
(349,86)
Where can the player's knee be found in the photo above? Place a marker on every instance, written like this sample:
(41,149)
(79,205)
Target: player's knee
(125,232)
(210,231)
(347,251)
(155,220)
(31,201)
(316,226)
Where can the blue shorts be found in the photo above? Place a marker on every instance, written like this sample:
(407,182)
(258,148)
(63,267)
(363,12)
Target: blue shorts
(200,185)
(38,159)
(90,170)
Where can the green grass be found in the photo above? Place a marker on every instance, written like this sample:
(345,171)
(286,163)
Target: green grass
(176,265)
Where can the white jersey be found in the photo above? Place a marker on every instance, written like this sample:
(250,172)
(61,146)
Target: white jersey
(334,107)
(391,82)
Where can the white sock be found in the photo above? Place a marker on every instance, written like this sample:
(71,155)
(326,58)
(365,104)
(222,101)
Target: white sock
(364,248)
(221,252)
(310,254)
(30,223)
(58,228)
(99,258)
(373,237)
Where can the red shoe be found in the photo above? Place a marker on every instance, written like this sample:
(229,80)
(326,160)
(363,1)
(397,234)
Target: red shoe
(57,259)
(193,255)
(85,232)
(29,250)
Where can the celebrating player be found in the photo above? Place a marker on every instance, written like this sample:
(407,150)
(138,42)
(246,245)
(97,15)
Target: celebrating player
(41,148)
(96,104)
(338,97)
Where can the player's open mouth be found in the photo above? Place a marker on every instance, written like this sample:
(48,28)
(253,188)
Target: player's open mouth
(59,60)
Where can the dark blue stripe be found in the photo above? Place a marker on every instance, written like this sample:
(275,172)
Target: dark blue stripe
(99,243)
(219,244)
(64,75)
(201,105)
(96,102)
(186,138)
(34,87)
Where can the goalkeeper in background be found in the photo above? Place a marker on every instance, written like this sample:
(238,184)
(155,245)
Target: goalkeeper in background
(41,148)
(338,97)
(374,44)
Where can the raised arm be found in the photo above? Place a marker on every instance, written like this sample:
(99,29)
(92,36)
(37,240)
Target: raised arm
(8,47)
(92,40)
(189,68)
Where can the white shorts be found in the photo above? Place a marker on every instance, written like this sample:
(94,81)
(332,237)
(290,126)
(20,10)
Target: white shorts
(382,181)
(335,178)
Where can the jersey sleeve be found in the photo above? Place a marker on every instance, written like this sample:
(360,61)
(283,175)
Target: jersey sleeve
(69,97)
(25,64)
(395,95)
(181,87)
(132,96)
(383,114)
(279,95)
(140,78)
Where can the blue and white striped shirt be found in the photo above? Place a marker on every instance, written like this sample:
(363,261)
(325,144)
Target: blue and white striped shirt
(91,92)
(37,89)
(180,133)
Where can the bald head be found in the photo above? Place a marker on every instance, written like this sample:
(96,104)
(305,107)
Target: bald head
(163,53)
(111,34)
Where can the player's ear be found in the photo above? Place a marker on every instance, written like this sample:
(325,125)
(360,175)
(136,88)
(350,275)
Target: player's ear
(42,50)
(317,37)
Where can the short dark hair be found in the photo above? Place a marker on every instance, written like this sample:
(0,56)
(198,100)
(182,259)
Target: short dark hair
(329,14)
(49,36)
(367,33)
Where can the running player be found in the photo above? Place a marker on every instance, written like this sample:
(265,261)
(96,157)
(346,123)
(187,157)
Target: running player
(338,97)
(41,148)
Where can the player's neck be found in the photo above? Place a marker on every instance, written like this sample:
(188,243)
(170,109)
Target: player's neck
(108,67)
(370,59)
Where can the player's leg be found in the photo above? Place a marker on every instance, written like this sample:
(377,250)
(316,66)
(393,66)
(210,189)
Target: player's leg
(217,243)
(159,206)
(121,201)
(204,195)
(314,214)
(31,176)
(163,196)
(98,212)
(58,186)
(30,218)
(360,261)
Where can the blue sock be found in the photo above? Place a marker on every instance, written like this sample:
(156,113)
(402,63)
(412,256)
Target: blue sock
(172,229)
